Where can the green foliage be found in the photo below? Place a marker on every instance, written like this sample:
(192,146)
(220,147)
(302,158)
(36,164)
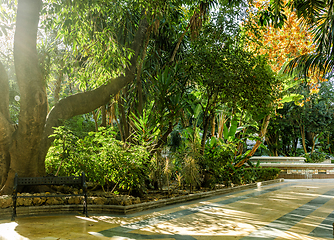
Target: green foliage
(234,76)
(314,115)
(174,141)
(191,172)
(146,129)
(103,158)
(187,158)
(265,174)
(315,157)
(216,165)
(218,155)
(161,171)
(249,175)
(81,125)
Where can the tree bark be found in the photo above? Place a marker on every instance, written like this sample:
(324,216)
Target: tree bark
(207,119)
(302,133)
(123,119)
(104,116)
(25,143)
(140,66)
(6,128)
(213,131)
(221,125)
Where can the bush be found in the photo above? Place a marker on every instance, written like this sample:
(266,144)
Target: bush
(315,157)
(191,173)
(265,174)
(249,175)
(216,159)
(217,165)
(103,158)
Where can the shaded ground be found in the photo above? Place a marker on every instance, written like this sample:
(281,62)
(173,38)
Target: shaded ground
(97,196)
(294,209)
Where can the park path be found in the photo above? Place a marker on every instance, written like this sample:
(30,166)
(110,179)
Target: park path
(293,209)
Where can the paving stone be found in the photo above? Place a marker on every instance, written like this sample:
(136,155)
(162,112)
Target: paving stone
(293,209)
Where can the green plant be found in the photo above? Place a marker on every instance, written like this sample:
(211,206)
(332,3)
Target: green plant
(104,159)
(146,129)
(216,156)
(179,179)
(265,174)
(187,158)
(248,175)
(162,169)
(315,157)
(191,172)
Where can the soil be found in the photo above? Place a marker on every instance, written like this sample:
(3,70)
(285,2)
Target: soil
(154,195)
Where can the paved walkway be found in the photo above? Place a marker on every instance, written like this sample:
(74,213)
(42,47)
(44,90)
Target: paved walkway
(293,209)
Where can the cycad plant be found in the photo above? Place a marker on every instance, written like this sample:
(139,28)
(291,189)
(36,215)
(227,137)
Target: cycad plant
(191,155)
(191,172)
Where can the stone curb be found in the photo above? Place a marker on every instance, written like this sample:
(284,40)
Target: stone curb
(6,213)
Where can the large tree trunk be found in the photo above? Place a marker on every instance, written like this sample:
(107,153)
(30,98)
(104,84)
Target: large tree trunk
(23,151)
(6,128)
(24,148)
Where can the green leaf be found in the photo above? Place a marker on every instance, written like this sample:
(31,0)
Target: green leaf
(292,98)
(197,111)
(233,127)
(225,132)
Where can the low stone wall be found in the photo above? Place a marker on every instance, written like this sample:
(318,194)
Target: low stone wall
(105,199)
(269,159)
(303,170)
(105,204)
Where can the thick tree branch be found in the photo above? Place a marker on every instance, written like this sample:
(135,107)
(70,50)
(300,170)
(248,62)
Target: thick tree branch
(82,103)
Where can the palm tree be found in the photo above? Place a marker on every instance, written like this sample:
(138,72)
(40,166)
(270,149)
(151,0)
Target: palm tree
(318,16)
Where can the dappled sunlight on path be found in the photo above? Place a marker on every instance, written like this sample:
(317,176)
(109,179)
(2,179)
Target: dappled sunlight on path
(289,210)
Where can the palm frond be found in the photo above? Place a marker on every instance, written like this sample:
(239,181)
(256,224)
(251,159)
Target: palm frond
(323,30)
(308,10)
(318,16)
(305,64)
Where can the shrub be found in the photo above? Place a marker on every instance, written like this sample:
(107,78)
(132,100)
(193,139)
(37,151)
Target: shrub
(216,160)
(191,172)
(103,158)
(217,165)
(265,174)
(315,157)
(249,175)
